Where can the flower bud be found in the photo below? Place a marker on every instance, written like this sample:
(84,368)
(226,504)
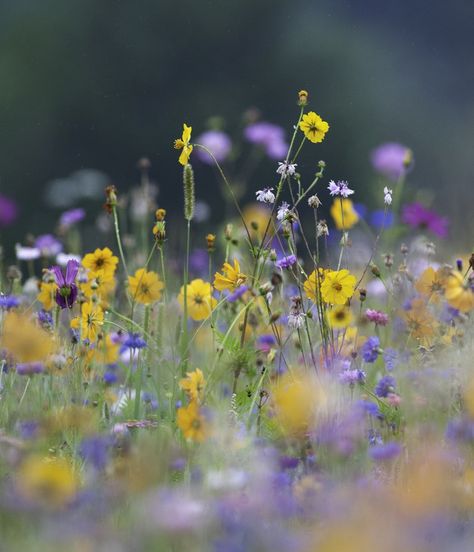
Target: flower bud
(303,97)
(211,242)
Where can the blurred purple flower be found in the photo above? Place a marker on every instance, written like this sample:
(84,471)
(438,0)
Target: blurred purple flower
(237,294)
(385,385)
(48,245)
(94,450)
(8,211)
(71,217)
(286,262)
(381,218)
(392,160)
(270,137)
(215,141)
(8,302)
(385,451)
(370,349)
(417,215)
(30,368)
(66,295)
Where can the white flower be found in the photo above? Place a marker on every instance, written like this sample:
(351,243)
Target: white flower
(296,320)
(63,258)
(283,211)
(387,196)
(340,188)
(266,195)
(27,253)
(286,169)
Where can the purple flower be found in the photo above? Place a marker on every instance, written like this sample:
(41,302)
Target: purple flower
(351,377)
(340,188)
(8,302)
(460,429)
(71,217)
(66,295)
(94,450)
(270,137)
(370,349)
(286,262)
(381,218)
(110,377)
(237,294)
(377,317)
(133,341)
(368,407)
(30,368)
(45,319)
(217,142)
(48,245)
(199,261)
(417,215)
(390,357)
(266,342)
(392,160)
(385,385)
(8,211)
(386,451)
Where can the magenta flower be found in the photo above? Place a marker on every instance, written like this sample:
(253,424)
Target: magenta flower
(66,295)
(270,137)
(8,211)
(417,215)
(392,160)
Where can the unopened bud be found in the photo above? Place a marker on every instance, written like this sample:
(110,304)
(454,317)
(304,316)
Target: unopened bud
(303,97)
(160,214)
(211,242)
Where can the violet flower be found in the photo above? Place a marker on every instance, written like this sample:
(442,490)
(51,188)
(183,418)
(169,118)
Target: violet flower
(66,295)
(417,215)
(8,211)
(217,142)
(392,160)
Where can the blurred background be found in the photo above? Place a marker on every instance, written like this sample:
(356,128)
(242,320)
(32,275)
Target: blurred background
(88,87)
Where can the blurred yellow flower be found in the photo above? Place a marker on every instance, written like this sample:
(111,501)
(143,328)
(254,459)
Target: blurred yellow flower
(313,127)
(421,324)
(199,300)
(92,318)
(231,278)
(338,286)
(193,384)
(46,295)
(145,287)
(459,292)
(192,423)
(312,283)
(49,481)
(432,283)
(344,214)
(183,144)
(101,259)
(24,340)
(339,317)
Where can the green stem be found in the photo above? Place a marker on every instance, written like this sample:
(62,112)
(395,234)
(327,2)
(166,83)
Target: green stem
(139,374)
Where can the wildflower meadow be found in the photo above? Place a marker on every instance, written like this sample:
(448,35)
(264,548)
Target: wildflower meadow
(291,373)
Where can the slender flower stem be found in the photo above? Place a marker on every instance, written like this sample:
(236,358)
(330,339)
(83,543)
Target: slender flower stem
(184,340)
(139,374)
(119,241)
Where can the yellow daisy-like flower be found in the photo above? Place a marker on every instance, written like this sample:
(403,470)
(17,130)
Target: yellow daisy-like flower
(312,283)
(24,340)
(183,144)
(421,324)
(49,481)
(459,293)
(432,283)
(231,278)
(344,214)
(47,294)
(339,317)
(200,303)
(193,384)
(92,318)
(100,283)
(145,287)
(101,259)
(338,286)
(192,423)
(106,352)
(313,127)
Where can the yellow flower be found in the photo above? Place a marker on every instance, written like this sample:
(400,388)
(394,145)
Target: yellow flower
(106,352)
(46,295)
(192,423)
(199,300)
(24,340)
(312,283)
(92,318)
(49,481)
(297,399)
(344,214)
(432,283)
(183,143)
(101,259)
(339,317)
(338,286)
(231,278)
(459,293)
(145,287)
(100,283)
(313,127)
(193,384)
(420,322)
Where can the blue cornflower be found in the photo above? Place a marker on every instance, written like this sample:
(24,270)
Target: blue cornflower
(385,385)
(390,357)
(286,262)
(237,294)
(95,450)
(133,341)
(370,349)
(45,319)
(150,400)
(385,451)
(8,302)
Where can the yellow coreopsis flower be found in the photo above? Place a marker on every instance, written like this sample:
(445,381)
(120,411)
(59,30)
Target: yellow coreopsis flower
(106,352)
(339,317)
(47,294)
(145,287)
(231,278)
(312,284)
(338,286)
(200,302)
(192,423)
(459,292)
(183,144)
(100,283)
(432,283)
(344,214)
(101,259)
(49,481)
(313,127)
(92,318)
(193,384)
(24,340)
(421,324)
